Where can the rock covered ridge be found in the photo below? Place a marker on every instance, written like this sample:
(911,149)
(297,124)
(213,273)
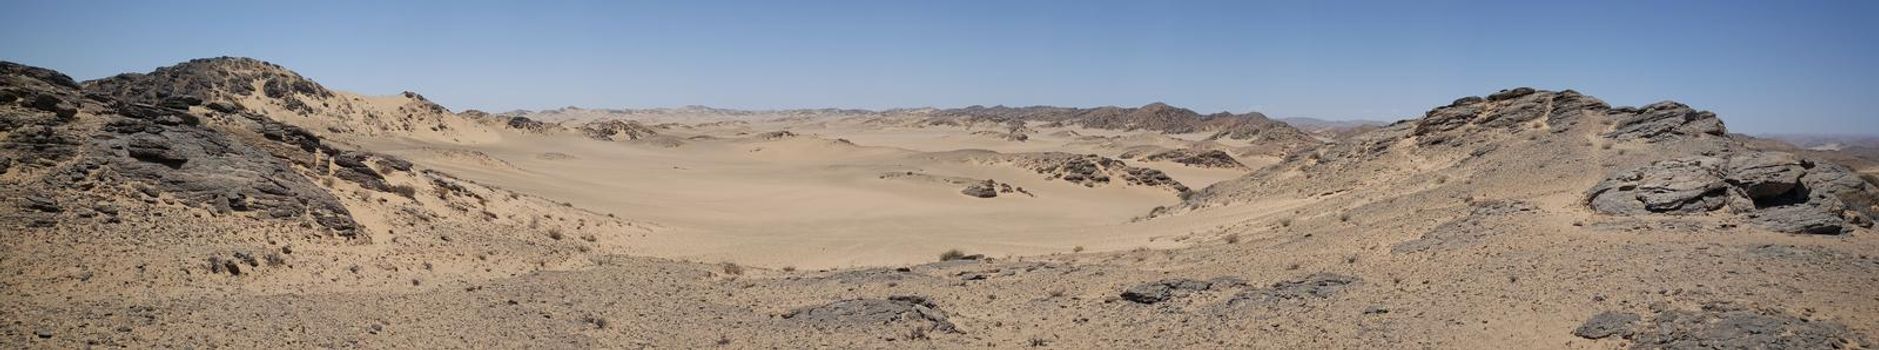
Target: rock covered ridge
(1660,160)
(1152,117)
(171,136)
(1559,112)
(218,79)
(1779,191)
(1159,117)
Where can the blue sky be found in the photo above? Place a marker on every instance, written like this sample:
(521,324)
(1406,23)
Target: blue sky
(1764,66)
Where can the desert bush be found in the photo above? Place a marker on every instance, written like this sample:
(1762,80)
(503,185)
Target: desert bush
(405,191)
(952,254)
(731,268)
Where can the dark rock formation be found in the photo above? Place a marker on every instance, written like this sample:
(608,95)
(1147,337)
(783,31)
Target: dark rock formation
(1777,190)
(211,79)
(139,131)
(1663,121)
(1685,185)
(1720,326)
(896,311)
(1197,158)
(1153,117)
(525,124)
(617,130)
(1163,290)
(1092,170)
(1316,286)
(987,189)
(1606,324)
(1505,112)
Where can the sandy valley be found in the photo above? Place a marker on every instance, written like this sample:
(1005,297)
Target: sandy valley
(230,202)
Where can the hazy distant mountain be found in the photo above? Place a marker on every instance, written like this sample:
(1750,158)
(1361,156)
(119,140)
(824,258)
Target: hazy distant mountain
(1828,142)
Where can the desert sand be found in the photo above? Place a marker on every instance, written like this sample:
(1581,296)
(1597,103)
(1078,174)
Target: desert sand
(229,202)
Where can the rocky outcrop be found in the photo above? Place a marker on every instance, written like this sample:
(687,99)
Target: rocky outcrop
(1315,286)
(1196,158)
(895,312)
(1164,290)
(990,189)
(1092,170)
(212,79)
(526,124)
(138,131)
(1606,324)
(1505,112)
(617,130)
(1151,117)
(1720,326)
(1780,191)
(776,135)
(1663,121)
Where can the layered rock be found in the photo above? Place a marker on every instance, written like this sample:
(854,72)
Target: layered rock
(1719,325)
(1777,190)
(892,312)
(141,131)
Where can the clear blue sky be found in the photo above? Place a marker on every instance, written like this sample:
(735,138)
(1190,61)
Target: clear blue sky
(1765,66)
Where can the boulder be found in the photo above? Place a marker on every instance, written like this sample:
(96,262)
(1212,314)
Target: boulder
(1763,175)
(1510,94)
(1606,324)
(1802,218)
(987,189)
(1684,185)
(1777,191)
(1163,290)
(1729,326)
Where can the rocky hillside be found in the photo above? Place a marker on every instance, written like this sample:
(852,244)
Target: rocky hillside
(172,209)
(164,142)
(1662,159)
(161,162)
(246,85)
